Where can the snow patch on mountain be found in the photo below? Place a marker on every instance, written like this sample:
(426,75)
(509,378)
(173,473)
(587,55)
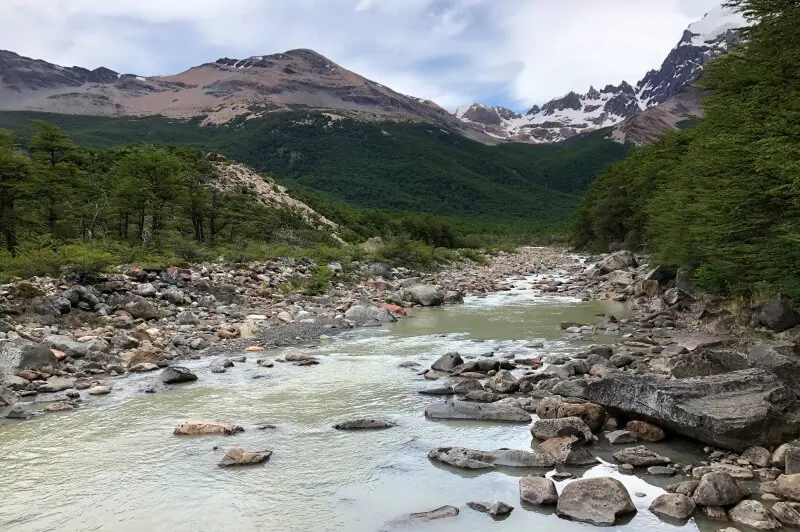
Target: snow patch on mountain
(574,113)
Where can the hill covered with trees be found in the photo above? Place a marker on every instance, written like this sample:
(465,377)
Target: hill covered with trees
(721,199)
(402,166)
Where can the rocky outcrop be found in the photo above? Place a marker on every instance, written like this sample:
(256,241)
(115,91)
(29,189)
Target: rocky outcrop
(598,501)
(734,411)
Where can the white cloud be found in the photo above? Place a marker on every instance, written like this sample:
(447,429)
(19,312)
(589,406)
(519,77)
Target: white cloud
(450,51)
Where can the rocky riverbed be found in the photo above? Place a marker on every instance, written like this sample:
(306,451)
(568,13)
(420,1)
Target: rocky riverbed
(673,367)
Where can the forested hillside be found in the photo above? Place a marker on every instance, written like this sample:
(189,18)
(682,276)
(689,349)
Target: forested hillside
(385,165)
(723,198)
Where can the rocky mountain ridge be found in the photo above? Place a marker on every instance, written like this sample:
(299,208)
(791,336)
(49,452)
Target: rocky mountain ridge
(219,92)
(574,113)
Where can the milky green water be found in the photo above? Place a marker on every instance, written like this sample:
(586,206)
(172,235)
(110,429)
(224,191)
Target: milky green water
(114,465)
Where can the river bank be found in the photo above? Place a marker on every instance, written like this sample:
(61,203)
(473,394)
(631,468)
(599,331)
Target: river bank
(670,360)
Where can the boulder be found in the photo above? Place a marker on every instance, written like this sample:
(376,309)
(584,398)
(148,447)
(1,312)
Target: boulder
(99,390)
(145,355)
(565,451)
(734,410)
(140,308)
(753,514)
(571,388)
(544,429)
(146,290)
(364,314)
(778,315)
(645,431)
(757,456)
(379,269)
(620,437)
(424,517)
(239,457)
(503,382)
(447,362)
(778,359)
(7,397)
(205,428)
(537,490)
(598,501)
(787,513)
(455,409)
(673,506)
(144,367)
(423,294)
(548,407)
(364,424)
(66,344)
(593,415)
(465,386)
(187,318)
(641,457)
(37,357)
(616,261)
(497,509)
(57,384)
(177,374)
(293,355)
(791,460)
(471,459)
(684,488)
(788,487)
(718,489)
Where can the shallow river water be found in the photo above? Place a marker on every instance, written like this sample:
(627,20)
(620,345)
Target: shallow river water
(114,465)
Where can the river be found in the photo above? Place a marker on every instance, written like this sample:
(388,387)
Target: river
(114,464)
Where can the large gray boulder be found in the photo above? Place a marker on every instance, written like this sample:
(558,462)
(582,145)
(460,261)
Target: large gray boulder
(140,308)
(67,344)
(616,261)
(599,501)
(455,409)
(718,489)
(673,506)
(37,357)
(424,294)
(503,382)
(753,514)
(778,314)
(177,374)
(537,490)
(363,314)
(734,410)
(447,362)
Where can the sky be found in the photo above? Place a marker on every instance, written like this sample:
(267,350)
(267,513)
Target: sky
(500,52)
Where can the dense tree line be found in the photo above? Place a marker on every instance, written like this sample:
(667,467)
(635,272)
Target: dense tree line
(412,167)
(54,192)
(722,198)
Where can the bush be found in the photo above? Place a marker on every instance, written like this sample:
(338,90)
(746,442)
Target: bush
(320,281)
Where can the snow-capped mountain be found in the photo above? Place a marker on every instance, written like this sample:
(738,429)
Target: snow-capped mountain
(574,113)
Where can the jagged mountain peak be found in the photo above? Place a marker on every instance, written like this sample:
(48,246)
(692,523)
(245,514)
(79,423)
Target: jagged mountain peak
(573,113)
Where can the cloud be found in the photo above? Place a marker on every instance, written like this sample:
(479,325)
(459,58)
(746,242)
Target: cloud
(451,51)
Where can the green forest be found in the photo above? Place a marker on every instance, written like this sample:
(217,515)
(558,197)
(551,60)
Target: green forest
(413,167)
(721,199)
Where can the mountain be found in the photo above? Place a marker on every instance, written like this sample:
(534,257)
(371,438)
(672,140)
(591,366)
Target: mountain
(219,92)
(575,113)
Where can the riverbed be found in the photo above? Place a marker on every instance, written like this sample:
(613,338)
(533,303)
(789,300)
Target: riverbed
(114,464)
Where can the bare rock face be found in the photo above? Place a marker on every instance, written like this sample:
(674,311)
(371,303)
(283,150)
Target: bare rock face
(598,501)
(734,411)
(205,428)
(779,315)
(239,457)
